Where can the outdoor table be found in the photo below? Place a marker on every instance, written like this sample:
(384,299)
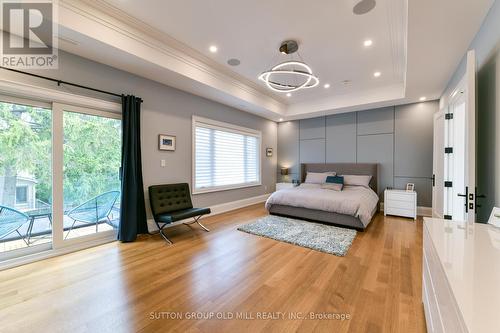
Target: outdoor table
(37,214)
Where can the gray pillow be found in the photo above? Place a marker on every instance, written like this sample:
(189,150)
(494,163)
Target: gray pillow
(318,177)
(357,180)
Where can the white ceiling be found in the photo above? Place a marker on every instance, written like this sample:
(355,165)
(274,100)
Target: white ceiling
(416,47)
(330,37)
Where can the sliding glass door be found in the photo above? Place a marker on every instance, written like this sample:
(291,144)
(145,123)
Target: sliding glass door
(59,176)
(91,172)
(25,177)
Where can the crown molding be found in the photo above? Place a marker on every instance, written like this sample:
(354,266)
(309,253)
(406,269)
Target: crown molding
(194,64)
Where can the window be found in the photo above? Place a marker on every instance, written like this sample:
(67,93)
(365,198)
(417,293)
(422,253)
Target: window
(225,156)
(22,194)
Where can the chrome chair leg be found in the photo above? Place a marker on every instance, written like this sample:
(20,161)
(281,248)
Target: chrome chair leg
(165,237)
(198,222)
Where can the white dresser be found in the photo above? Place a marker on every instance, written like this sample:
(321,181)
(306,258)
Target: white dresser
(400,203)
(461,277)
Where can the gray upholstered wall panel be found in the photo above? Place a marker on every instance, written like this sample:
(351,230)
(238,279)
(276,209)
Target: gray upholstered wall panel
(398,138)
(312,151)
(414,124)
(423,186)
(341,138)
(376,121)
(313,128)
(288,149)
(378,148)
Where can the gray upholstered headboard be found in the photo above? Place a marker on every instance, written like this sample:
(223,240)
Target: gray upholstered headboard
(343,169)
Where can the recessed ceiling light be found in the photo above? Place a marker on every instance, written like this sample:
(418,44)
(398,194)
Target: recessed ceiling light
(368,42)
(377,74)
(288,95)
(326,85)
(213,48)
(281,119)
(423,98)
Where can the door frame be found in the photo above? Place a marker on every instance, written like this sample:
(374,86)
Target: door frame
(440,113)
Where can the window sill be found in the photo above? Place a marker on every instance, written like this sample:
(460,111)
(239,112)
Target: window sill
(224,188)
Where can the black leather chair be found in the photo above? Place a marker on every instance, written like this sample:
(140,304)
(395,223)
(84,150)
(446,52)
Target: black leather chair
(171,203)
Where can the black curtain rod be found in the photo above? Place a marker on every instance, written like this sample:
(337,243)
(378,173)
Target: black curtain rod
(59,82)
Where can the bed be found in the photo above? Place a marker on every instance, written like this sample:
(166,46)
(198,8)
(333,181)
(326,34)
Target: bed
(353,207)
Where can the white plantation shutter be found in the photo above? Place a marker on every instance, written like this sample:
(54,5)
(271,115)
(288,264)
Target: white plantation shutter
(225,156)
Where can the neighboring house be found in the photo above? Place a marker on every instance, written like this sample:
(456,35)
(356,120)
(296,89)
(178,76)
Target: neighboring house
(25,194)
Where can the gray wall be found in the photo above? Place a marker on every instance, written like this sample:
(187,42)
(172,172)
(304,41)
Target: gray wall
(167,110)
(487,46)
(398,138)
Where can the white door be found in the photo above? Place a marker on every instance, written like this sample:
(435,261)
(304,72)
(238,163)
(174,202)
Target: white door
(438,165)
(459,149)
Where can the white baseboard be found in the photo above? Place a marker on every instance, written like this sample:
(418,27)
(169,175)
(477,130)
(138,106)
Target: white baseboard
(218,209)
(421,210)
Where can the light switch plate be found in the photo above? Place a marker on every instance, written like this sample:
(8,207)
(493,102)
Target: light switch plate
(495,217)
(163,163)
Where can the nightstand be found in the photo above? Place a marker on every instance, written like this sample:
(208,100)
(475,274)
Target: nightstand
(282,186)
(400,203)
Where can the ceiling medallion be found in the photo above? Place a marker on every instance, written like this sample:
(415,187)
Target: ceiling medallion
(290,75)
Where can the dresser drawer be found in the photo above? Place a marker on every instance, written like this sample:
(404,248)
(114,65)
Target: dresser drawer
(400,196)
(400,212)
(432,315)
(447,315)
(408,205)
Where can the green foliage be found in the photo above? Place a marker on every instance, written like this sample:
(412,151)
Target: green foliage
(92,156)
(92,151)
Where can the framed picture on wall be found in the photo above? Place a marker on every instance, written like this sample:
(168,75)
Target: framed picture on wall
(166,142)
(410,187)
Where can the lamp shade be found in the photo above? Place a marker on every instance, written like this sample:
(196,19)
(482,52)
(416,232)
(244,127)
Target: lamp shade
(284,171)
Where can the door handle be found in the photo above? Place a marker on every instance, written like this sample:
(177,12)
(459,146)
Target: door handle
(465,196)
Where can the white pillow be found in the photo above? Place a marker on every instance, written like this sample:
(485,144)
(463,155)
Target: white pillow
(357,180)
(309,185)
(318,177)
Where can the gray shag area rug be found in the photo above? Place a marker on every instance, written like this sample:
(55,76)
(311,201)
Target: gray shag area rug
(319,237)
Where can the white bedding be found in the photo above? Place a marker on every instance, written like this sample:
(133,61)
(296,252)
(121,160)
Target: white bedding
(357,201)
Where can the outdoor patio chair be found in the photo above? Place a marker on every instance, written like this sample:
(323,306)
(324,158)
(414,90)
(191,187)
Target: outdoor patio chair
(10,221)
(94,210)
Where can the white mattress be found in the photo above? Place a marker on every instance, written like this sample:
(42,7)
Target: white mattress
(357,201)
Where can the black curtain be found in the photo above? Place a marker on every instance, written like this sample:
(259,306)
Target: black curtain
(132,209)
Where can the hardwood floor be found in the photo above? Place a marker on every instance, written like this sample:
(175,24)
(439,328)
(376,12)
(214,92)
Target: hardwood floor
(140,286)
